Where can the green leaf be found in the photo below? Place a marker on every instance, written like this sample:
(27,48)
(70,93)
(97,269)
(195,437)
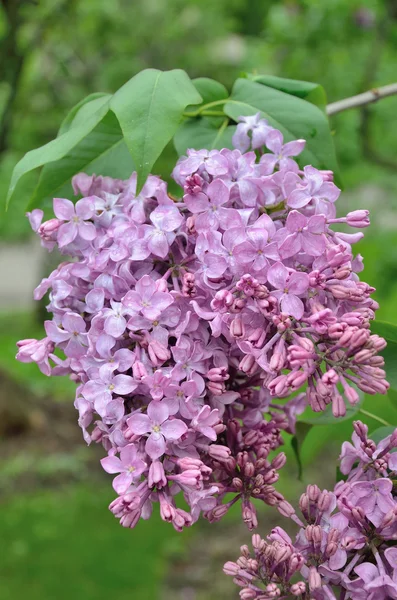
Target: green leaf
(385,330)
(389,332)
(68,121)
(56,149)
(381,433)
(392,395)
(311,92)
(103,151)
(209,90)
(149,109)
(294,117)
(301,431)
(200,133)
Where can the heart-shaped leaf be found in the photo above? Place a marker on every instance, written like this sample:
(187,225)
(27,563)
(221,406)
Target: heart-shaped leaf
(149,109)
(293,116)
(70,120)
(311,92)
(103,151)
(58,148)
(209,90)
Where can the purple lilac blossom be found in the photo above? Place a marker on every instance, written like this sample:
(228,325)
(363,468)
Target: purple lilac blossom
(183,322)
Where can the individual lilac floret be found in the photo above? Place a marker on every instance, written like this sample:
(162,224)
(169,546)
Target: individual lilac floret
(280,153)
(251,132)
(159,427)
(76,220)
(129,465)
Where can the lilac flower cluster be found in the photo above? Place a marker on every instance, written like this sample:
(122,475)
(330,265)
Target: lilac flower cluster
(184,322)
(346,544)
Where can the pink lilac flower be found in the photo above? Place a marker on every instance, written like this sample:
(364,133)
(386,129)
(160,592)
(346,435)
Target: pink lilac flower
(129,465)
(71,335)
(303,235)
(280,154)
(288,286)
(251,131)
(160,428)
(146,299)
(77,220)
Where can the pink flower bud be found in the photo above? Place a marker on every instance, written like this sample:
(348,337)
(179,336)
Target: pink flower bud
(157,475)
(248,364)
(358,218)
(220,453)
(216,387)
(237,329)
(231,568)
(298,588)
(139,370)
(338,405)
(279,461)
(158,353)
(257,337)
(218,374)
(222,301)
(314,579)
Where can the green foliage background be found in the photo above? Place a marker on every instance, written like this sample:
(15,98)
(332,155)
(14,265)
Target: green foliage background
(55,52)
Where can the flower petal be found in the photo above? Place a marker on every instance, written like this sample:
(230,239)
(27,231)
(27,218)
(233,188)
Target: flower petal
(173,429)
(112,464)
(155,445)
(63,209)
(158,412)
(139,423)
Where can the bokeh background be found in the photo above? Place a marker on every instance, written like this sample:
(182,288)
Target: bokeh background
(58,540)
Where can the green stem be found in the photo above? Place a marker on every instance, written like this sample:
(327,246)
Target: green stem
(375,417)
(203,108)
(205,113)
(220,131)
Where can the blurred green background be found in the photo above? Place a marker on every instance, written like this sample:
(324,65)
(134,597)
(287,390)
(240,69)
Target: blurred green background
(58,540)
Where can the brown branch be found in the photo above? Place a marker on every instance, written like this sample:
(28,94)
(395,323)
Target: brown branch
(362,99)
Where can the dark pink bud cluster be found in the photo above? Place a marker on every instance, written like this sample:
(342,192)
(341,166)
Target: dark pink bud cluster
(183,322)
(345,547)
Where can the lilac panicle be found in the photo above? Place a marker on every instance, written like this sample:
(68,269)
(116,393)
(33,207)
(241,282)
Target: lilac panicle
(345,546)
(184,322)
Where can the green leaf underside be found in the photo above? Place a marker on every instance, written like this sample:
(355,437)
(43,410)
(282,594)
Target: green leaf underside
(309,91)
(199,133)
(70,121)
(149,109)
(56,149)
(301,431)
(294,117)
(103,151)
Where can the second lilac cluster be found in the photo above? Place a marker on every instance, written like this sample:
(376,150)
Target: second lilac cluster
(346,545)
